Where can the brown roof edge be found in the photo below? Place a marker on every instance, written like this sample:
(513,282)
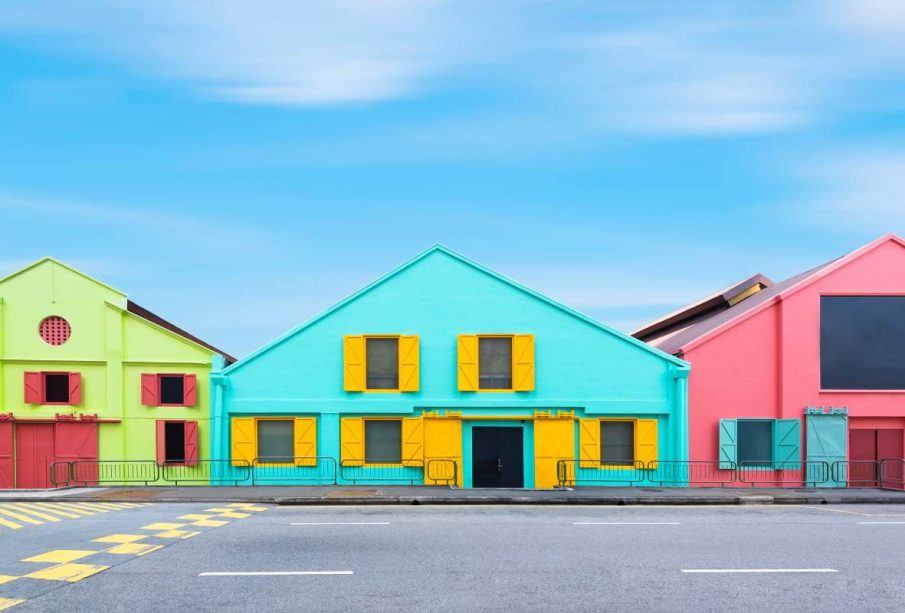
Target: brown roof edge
(716,301)
(163,323)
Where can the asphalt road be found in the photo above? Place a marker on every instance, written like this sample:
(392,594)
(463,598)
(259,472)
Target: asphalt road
(844,558)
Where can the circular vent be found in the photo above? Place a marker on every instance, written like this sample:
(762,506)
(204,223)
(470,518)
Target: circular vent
(55,330)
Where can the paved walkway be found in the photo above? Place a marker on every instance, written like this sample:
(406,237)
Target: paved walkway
(354,495)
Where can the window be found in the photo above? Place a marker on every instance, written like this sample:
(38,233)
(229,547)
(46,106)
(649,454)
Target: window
(755,442)
(56,388)
(383,441)
(53,388)
(177,442)
(617,443)
(495,363)
(169,390)
(174,442)
(54,330)
(275,442)
(382,362)
(172,389)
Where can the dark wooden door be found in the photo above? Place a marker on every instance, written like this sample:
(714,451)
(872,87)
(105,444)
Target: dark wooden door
(497,457)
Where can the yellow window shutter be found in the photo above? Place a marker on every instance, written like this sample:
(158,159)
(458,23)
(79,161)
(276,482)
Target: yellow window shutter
(646,442)
(554,440)
(409,367)
(442,451)
(354,363)
(244,447)
(523,362)
(468,362)
(589,442)
(306,441)
(352,441)
(412,441)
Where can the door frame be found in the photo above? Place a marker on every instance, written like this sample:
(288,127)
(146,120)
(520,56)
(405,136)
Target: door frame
(527,426)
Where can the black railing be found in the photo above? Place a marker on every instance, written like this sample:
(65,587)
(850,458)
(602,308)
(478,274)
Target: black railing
(113,472)
(213,472)
(784,473)
(589,472)
(693,472)
(311,470)
(892,473)
(355,471)
(857,473)
(60,474)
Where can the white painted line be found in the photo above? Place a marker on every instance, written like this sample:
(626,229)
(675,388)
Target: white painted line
(758,570)
(881,523)
(278,573)
(342,523)
(625,523)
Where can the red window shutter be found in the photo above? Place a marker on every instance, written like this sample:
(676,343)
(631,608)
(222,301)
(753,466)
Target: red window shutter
(161,442)
(34,388)
(150,390)
(189,390)
(75,388)
(191,443)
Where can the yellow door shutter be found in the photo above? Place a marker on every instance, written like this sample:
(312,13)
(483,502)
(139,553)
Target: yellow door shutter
(352,441)
(468,362)
(244,447)
(412,441)
(354,363)
(589,442)
(442,451)
(554,440)
(409,368)
(646,442)
(523,362)
(306,441)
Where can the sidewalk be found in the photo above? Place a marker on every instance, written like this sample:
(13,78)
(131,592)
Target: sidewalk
(433,495)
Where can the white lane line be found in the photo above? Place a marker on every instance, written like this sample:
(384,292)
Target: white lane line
(278,573)
(881,523)
(341,523)
(758,570)
(625,523)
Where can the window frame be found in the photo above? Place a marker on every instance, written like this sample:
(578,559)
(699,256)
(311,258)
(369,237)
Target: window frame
(186,461)
(44,401)
(158,376)
(364,358)
(634,422)
(364,441)
(257,459)
(770,465)
(511,387)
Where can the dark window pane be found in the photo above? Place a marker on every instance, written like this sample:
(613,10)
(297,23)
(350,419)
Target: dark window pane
(383,441)
(174,443)
(755,442)
(495,363)
(862,342)
(383,363)
(172,389)
(617,443)
(56,388)
(275,442)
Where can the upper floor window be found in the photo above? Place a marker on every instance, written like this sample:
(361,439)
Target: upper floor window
(382,363)
(495,363)
(53,388)
(180,390)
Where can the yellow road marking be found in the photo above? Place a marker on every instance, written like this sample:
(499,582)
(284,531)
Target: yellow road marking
(61,556)
(234,515)
(120,538)
(9,524)
(176,534)
(7,579)
(51,509)
(195,517)
(94,507)
(221,510)
(24,509)
(8,603)
(137,549)
(74,507)
(113,506)
(163,526)
(209,523)
(246,506)
(67,572)
(20,517)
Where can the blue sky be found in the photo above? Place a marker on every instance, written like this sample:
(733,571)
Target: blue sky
(238,167)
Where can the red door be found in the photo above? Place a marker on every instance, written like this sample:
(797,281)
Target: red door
(76,442)
(862,456)
(889,447)
(6,455)
(34,455)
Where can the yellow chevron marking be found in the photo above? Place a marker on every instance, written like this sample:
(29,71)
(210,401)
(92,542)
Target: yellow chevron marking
(195,517)
(51,509)
(7,579)
(113,506)
(135,549)
(20,517)
(163,526)
(8,603)
(94,507)
(67,572)
(61,556)
(209,523)
(233,515)
(9,524)
(242,506)
(176,534)
(120,538)
(24,509)
(71,506)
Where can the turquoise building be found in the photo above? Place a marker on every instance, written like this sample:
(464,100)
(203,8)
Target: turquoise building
(446,372)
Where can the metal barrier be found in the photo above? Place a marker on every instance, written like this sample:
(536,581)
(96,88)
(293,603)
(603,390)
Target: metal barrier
(60,473)
(213,472)
(892,473)
(857,473)
(111,472)
(313,470)
(442,471)
(784,473)
(692,472)
(356,471)
(587,472)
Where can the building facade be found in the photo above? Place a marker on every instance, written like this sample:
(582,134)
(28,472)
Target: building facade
(87,376)
(445,372)
(806,373)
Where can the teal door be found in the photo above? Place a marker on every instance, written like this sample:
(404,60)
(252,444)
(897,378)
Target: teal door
(826,436)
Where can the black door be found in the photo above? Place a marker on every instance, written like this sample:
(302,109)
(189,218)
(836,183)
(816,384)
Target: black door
(497,457)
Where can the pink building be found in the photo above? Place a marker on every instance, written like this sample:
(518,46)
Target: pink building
(807,374)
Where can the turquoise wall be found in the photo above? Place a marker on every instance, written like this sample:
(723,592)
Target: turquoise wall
(579,364)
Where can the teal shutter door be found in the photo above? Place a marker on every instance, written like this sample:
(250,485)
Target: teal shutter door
(728,447)
(787,444)
(826,441)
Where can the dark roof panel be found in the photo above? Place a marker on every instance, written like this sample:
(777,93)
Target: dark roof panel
(163,323)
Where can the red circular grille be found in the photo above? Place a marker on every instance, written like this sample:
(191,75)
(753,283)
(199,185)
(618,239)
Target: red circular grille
(55,330)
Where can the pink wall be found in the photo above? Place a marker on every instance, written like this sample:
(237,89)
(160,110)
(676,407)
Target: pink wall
(768,365)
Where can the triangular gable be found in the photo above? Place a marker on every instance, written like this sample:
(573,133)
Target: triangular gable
(61,265)
(474,265)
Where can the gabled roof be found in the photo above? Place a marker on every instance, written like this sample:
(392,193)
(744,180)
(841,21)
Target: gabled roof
(483,269)
(76,271)
(681,338)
